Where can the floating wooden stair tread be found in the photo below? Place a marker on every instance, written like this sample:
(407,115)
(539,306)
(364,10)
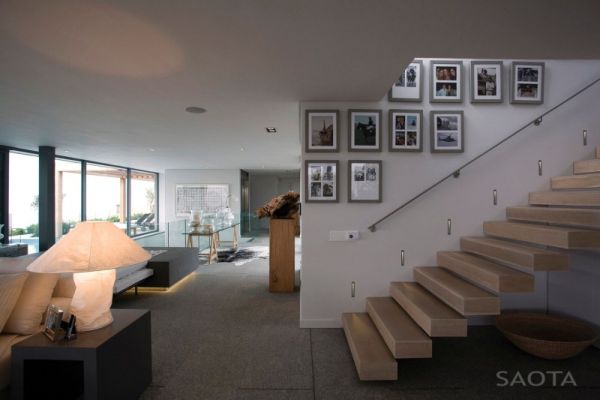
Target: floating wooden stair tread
(585,181)
(433,316)
(587,166)
(400,333)
(463,297)
(564,238)
(486,273)
(584,198)
(583,217)
(371,356)
(529,257)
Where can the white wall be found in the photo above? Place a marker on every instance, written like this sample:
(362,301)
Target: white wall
(263,188)
(174,177)
(372,262)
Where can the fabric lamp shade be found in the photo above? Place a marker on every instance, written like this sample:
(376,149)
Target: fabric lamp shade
(92,251)
(90,246)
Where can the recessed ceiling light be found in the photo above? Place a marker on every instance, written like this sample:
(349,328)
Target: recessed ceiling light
(195,110)
(271,129)
(65,151)
(152,150)
(242,149)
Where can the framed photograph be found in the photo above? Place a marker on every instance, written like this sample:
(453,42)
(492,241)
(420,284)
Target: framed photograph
(409,86)
(447,132)
(321,181)
(364,181)
(322,131)
(364,130)
(54,317)
(405,130)
(446,82)
(527,82)
(486,82)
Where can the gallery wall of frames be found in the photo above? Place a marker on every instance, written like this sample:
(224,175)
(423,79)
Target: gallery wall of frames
(448,84)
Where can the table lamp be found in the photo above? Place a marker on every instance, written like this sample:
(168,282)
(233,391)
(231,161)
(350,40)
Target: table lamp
(91,251)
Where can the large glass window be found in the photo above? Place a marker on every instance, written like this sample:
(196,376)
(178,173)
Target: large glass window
(68,195)
(143,202)
(23,199)
(106,194)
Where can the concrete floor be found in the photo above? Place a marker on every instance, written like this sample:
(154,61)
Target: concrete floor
(221,335)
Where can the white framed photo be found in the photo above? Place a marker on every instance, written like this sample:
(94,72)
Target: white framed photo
(409,86)
(486,82)
(364,130)
(406,130)
(321,131)
(447,132)
(527,82)
(321,181)
(446,82)
(364,181)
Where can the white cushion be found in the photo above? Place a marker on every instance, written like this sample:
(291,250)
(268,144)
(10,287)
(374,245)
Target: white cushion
(122,272)
(10,289)
(26,317)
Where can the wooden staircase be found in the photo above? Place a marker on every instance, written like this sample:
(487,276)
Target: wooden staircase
(466,282)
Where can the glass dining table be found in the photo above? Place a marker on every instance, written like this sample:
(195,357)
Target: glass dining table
(212,232)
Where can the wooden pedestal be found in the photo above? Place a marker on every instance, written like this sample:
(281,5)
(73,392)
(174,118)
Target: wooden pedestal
(281,255)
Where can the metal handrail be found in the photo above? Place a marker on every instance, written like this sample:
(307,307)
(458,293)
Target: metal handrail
(456,173)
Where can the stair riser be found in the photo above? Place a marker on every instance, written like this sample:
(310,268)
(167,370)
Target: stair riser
(570,217)
(414,349)
(504,284)
(533,262)
(437,328)
(531,234)
(466,307)
(586,166)
(558,198)
(385,369)
(591,181)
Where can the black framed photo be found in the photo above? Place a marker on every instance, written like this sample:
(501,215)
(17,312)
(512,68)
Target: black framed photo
(446,82)
(364,181)
(409,86)
(527,82)
(364,130)
(321,181)
(321,131)
(405,130)
(486,82)
(447,132)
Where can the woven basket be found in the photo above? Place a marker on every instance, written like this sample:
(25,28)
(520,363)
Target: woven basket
(546,336)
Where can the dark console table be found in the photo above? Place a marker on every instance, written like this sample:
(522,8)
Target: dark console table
(169,267)
(113,363)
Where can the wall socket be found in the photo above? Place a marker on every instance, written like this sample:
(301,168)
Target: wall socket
(342,236)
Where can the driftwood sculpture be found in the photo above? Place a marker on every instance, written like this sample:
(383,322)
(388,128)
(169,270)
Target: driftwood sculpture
(282,206)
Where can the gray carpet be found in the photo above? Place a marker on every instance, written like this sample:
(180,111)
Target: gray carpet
(222,335)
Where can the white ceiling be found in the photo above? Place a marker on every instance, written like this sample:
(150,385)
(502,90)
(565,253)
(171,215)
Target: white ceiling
(108,81)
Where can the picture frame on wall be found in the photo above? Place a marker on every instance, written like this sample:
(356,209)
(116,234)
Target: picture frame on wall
(527,82)
(447,132)
(364,130)
(409,86)
(364,181)
(405,130)
(321,181)
(487,81)
(446,82)
(321,131)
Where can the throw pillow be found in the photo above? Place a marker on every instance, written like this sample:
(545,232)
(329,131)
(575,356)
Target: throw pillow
(35,297)
(10,289)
